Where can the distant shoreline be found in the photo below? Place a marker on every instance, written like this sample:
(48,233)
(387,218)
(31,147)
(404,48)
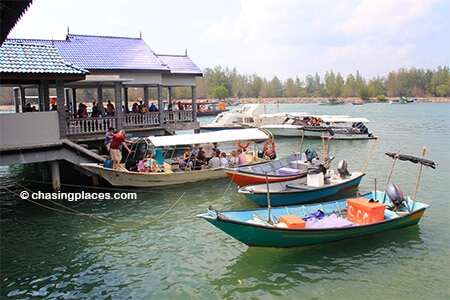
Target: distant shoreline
(324,100)
(303,100)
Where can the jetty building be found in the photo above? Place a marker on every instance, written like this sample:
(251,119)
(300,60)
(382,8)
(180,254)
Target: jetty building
(54,131)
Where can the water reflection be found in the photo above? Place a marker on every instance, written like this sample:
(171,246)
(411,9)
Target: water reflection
(278,270)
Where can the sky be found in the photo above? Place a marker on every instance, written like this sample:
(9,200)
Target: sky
(282,38)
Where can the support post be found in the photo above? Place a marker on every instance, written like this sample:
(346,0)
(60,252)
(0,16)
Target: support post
(125,100)
(23,98)
(60,104)
(16,96)
(56,180)
(118,104)
(44,96)
(160,105)
(74,103)
(69,102)
(100,100)
(146,96)
(194,103)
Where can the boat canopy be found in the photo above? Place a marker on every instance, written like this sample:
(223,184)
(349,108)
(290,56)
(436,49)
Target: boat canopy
(209,137)
(342,119)
(413,159)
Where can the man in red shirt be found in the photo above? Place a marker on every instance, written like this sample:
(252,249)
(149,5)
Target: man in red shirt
(115,148)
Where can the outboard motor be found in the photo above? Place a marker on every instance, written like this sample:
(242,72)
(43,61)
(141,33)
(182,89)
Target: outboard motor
(260,153)
(316,169)
(396,195)
(342,168)
(310,154)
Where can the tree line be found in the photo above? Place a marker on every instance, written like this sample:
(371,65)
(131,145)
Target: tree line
(220,83)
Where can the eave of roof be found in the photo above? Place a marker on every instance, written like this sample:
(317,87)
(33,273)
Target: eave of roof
(105,53)
(180,64)
(19,58)
(11,11)
(98,53)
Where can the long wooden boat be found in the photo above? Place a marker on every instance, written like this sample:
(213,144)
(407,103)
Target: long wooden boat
(293,166)
(312,188)
(301,225)
(167,174)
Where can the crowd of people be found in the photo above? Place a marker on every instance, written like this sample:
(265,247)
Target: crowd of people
(210,157)
(81,111)
(138,107)
(206,156)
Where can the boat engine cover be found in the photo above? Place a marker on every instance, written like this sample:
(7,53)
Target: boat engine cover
(316,169)
(342,168)
(395,194)
(310,154)
(260,153)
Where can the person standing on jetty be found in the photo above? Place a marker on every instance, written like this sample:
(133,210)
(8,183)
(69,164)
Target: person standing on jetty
(115,148)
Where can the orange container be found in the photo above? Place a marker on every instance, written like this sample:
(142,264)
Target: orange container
(293,221)
(361,211)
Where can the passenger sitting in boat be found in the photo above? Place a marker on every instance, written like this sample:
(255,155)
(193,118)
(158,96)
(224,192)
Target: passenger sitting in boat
(234,159)
(223,160)
(150,163)
(141,166)
(242,158)
(209,149)
(182,164)
(214,162)
(187,154)
(201,155)
(194,163)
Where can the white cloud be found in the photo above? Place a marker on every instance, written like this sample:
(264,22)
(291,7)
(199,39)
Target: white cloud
(268,37)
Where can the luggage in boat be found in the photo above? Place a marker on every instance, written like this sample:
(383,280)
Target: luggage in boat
(108,164)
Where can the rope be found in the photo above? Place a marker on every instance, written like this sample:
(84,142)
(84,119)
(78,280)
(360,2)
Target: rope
(228,187)
(99,219)
(370,155)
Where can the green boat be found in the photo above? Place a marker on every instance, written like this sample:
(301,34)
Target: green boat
(300,225)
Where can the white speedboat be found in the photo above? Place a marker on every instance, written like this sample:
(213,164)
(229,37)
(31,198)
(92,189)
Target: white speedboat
(233,119)
(315,127)
(245,117)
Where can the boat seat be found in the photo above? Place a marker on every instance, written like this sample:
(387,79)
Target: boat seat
(256,169)
(276,165)
(301,186)
(389,214)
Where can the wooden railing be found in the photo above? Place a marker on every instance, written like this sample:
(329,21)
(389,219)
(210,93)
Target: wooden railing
(90,125)
(130,121)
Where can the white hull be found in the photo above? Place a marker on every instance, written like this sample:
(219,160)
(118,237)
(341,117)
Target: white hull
(124,178)
(285,130)
(299,131)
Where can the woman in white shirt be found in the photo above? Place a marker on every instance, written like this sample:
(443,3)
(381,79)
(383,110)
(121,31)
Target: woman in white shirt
(223,160)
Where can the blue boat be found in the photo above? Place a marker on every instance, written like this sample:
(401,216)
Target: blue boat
(294,226)
(315,186)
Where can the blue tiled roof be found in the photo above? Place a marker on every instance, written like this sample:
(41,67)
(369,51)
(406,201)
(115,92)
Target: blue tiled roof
(116,53)
(180,64)
(34,58)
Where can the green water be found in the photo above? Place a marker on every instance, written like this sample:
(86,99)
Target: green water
(138,254)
